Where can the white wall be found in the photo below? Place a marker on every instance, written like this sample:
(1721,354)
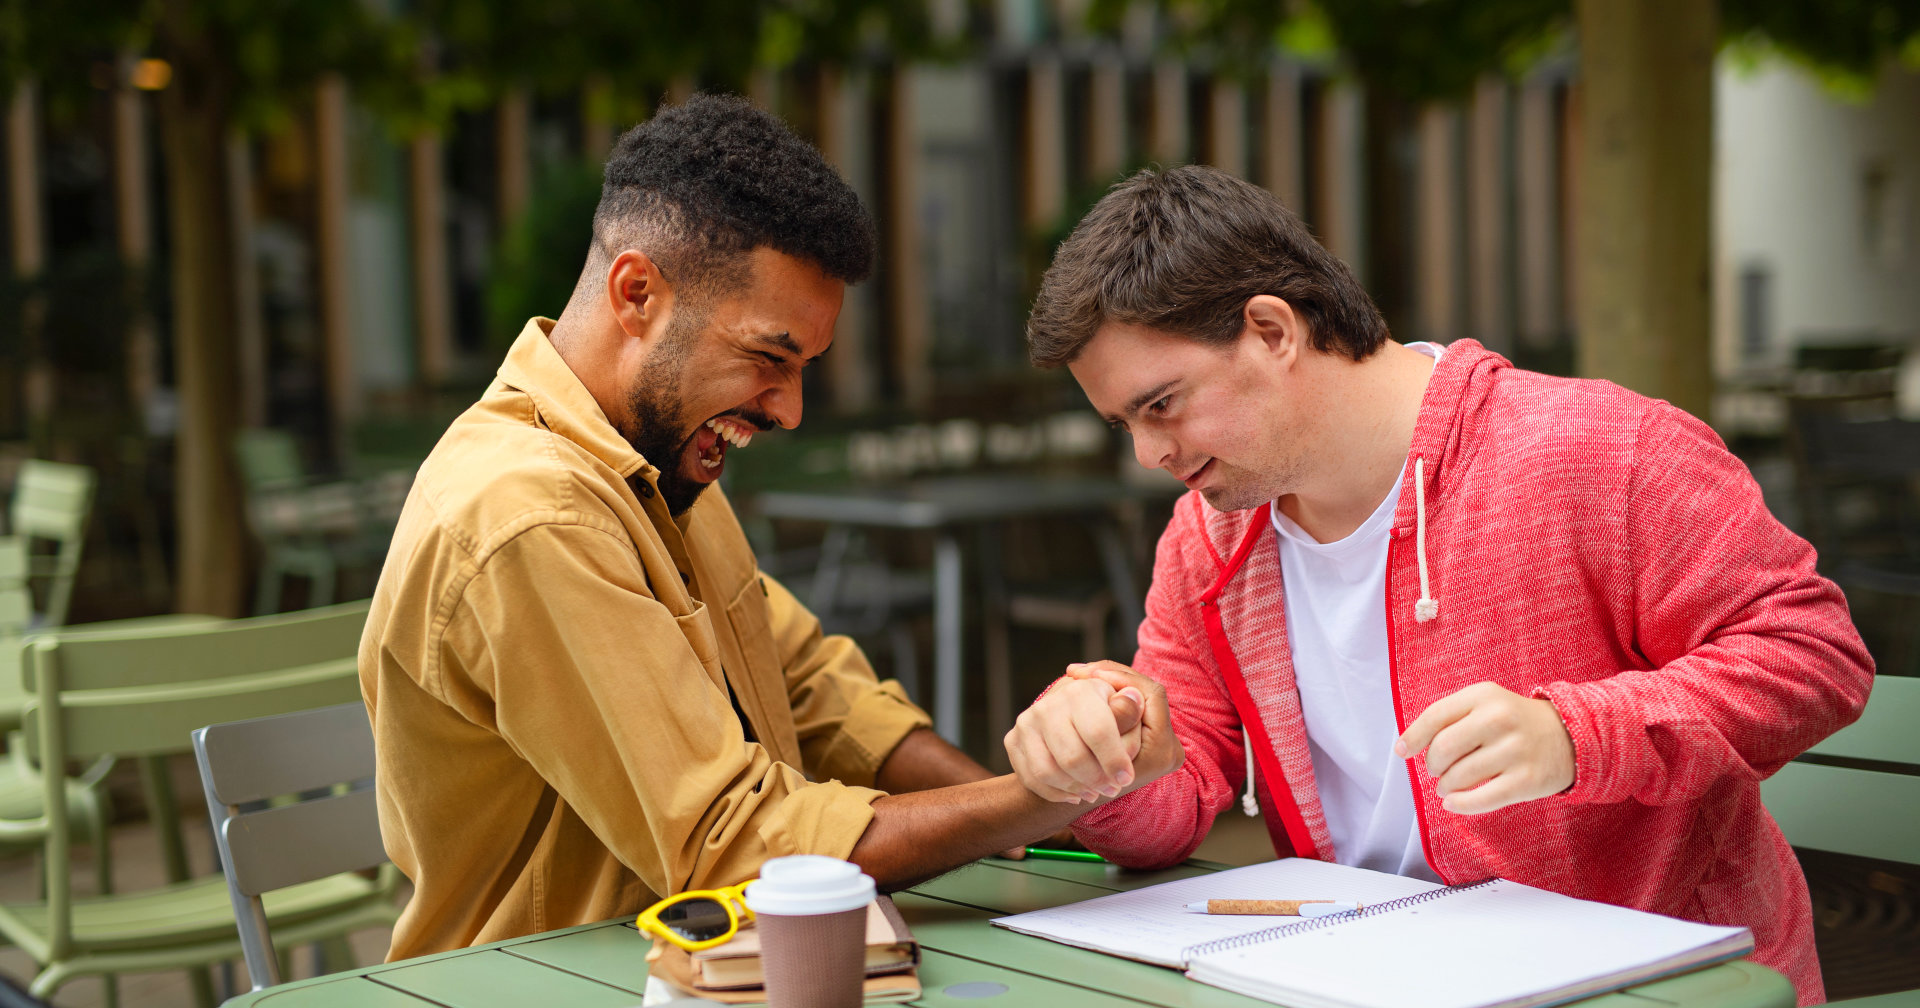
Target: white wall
(1792,195)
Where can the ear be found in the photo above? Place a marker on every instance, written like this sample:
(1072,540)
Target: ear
(638,294)
(1272,324)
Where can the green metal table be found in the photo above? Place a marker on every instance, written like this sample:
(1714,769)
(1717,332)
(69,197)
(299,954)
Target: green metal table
(965,962)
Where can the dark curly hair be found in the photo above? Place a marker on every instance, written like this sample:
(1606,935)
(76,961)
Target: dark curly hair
(702,184)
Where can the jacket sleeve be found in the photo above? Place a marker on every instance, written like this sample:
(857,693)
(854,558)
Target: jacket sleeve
(847,721)
(1750,656)
(619,704)
(1162,823)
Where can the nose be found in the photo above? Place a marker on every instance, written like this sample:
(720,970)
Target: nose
(1149,450)
(782,403)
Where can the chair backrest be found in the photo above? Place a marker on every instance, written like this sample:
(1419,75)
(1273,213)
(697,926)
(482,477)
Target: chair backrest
(1857,791)
(143,691)
(268,457)
(291,799)
(16,600)
(1856,465)
(51,501)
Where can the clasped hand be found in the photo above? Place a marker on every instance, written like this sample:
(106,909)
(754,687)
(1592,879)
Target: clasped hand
(1489,748)
(1099,733)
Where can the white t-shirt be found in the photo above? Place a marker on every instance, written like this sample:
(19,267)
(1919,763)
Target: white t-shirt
(1337,626)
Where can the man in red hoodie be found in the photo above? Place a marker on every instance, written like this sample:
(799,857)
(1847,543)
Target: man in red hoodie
(1439,616)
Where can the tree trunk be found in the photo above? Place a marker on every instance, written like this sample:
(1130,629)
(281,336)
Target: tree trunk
(29,246)
(1643,215)
(210,561)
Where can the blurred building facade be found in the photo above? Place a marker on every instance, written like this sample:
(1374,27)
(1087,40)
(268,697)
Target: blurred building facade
(1814,215)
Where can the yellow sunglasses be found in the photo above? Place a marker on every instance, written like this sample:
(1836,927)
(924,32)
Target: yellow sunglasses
(698,918)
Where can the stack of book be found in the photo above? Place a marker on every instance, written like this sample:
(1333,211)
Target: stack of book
(730,973)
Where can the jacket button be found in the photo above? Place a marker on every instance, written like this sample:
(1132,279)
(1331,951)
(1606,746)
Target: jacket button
(646,490)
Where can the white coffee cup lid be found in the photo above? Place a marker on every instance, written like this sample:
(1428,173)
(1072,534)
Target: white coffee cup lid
(803,884)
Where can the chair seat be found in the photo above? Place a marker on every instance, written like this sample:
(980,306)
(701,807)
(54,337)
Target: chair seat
(199,910)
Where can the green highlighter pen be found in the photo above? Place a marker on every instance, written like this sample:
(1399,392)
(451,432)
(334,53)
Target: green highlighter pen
(1055,854)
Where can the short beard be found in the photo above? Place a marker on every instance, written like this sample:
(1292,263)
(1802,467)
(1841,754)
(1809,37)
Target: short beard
(655,408)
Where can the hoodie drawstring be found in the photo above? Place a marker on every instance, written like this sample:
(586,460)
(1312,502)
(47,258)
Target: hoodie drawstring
(1248,803)
(1427,607)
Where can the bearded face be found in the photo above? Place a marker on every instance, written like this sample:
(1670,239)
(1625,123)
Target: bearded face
(727,366)
(688,449)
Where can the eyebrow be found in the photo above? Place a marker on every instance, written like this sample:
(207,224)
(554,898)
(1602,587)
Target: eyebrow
(1140,401)
(784,341)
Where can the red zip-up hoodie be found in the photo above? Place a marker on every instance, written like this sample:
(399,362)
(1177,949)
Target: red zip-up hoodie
(1581,543)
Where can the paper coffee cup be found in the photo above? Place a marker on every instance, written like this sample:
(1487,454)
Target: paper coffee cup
(811,912)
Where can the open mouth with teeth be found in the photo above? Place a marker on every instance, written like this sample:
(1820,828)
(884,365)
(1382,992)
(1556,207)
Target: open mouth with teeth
(711,441)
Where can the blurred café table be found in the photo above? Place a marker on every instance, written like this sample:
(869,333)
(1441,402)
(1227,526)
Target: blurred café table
(947,506)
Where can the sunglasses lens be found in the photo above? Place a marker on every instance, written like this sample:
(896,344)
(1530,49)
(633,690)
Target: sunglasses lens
(696,919)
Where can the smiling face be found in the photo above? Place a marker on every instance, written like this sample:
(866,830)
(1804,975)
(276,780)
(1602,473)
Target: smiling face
(1229,421)
(728,365)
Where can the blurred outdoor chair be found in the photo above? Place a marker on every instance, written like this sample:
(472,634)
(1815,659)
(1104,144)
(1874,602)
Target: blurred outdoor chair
(16,599)
(51,502)
(1858,475)
(847,583)
(1016,489)
(22,791)
(140,693)
(291,801)
(1855,793)
(310,527)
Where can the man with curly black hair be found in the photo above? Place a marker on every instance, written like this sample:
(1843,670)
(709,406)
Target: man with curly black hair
(584,693)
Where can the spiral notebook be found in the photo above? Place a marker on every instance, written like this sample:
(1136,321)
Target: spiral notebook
(1492,944)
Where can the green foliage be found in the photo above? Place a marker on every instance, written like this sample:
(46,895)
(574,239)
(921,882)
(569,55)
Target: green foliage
(255,61)
(52,40)
(252,62)
(1419,50)
(537,262)
(1426,50)
(636,49)
(1844,42)
(1438,49)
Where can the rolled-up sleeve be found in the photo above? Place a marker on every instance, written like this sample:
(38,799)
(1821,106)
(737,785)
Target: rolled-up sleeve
(848,721)
(619,704)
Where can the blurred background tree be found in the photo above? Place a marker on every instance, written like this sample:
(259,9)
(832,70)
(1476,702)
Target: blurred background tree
(1646,66)
(231,66)
(229,69)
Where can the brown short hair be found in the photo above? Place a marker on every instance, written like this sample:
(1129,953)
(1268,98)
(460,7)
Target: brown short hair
(1181,251)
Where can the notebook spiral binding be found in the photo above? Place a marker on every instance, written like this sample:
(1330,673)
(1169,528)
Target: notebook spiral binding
(1315,923)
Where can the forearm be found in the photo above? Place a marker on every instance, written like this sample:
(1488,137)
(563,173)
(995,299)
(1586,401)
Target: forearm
(916,836)
(924,761)
(1180,808)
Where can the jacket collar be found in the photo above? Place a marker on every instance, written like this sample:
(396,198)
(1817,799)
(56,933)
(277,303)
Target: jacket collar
(563,405)
(1448,429)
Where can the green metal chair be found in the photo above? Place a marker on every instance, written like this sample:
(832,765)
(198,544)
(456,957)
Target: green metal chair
(51,501)
(141,693)
(307,527)
(21,787)
(1858,792)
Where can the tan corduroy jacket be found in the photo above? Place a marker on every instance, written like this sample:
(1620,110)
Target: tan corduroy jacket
(552,666)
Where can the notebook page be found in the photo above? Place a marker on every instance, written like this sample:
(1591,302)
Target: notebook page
(1499,944)
(1153,924)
